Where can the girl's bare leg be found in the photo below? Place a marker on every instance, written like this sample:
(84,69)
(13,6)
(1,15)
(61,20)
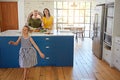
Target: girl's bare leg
(25,72)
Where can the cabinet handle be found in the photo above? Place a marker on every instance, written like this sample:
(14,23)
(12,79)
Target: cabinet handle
(117,61)
(118,40)
(46,38)
(47,58)
(117,49)
(47,47)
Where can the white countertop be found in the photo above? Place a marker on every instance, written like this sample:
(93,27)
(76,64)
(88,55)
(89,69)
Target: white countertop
(18,33)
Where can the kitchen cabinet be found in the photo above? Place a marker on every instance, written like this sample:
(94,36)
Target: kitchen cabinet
(116,33)
(47,46)
(110,49)
(107,54)
(57,49)
(9,54)
(108,33)
(116,61)
(63,49)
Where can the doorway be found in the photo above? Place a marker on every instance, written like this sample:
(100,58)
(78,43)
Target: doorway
(8,16)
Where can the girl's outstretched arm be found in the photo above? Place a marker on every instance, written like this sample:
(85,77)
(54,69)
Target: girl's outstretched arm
(37,48)
(15,43)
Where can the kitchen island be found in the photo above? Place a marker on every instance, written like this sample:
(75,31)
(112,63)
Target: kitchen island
(57,47)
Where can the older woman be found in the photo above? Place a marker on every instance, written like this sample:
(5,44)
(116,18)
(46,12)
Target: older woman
(35,21)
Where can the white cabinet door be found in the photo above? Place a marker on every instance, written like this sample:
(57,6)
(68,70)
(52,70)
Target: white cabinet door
(100,1)
(117,49)
(108,1)
(107,55)
(116,62)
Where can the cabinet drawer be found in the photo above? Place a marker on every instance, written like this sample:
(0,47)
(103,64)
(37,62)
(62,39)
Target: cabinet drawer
(117,59)
(117,40)
(117,62)
(107,58)
(117,50)
(107,55)
(43,39)
(47,38)
(117,66)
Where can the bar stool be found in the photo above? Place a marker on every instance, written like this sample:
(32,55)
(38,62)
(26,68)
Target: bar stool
(79,31)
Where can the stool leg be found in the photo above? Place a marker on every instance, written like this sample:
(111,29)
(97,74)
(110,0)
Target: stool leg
(82,36)
(76,37)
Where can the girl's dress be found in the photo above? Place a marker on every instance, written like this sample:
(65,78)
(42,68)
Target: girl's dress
(27,54)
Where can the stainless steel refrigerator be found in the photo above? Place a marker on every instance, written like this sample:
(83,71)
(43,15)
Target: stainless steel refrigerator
(98,30)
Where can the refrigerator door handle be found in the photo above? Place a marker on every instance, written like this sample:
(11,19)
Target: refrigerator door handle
(92,37)
(95,25)
(96,31)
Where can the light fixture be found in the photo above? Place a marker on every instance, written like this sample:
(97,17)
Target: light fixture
(73,5)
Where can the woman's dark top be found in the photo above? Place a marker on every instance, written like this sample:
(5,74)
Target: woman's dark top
(35,23)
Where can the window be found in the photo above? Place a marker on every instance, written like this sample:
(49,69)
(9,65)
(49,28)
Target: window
(73,14)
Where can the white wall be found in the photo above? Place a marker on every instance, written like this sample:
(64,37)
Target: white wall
(117,18)
(27,6)
(8,0)
(39,5)
(48,0)
(21,13)
(104,1)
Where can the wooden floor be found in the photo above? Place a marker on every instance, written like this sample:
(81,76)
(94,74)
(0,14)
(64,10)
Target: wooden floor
(86,67)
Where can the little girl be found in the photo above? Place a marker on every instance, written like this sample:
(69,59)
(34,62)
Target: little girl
(27,54)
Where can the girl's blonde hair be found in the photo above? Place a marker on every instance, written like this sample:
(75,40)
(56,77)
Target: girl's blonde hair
(27,27)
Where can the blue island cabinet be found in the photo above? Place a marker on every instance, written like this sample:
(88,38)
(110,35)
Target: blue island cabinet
(58,51)
(8,53)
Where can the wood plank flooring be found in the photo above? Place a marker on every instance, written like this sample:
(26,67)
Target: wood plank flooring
(86,67)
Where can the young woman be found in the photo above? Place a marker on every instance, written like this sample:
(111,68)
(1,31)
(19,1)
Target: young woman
(47,19)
